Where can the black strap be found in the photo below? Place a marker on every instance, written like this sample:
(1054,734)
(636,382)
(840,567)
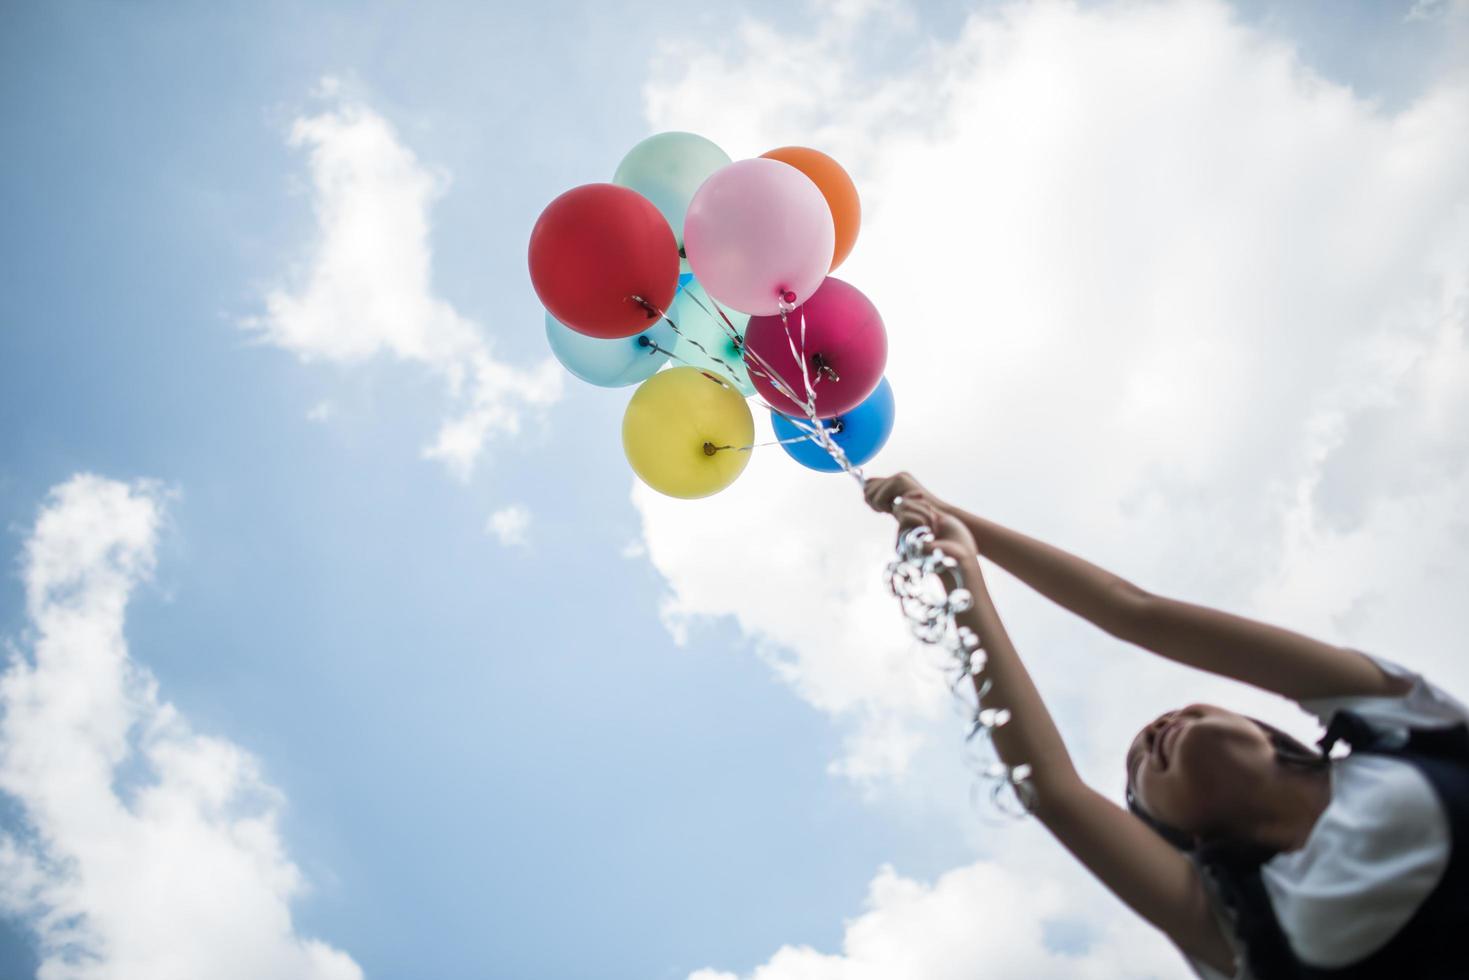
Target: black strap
(1350,728)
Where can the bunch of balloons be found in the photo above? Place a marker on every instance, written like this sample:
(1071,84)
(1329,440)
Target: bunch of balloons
(706,282)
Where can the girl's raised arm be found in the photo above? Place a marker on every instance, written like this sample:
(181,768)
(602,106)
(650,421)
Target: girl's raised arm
(1255,652)
(1142,869)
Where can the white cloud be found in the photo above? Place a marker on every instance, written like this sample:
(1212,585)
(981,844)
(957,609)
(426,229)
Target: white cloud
(1435,9)
(510,525)
(1157,293)
(367,288)
(145,848)
(1149,284)
(980,920)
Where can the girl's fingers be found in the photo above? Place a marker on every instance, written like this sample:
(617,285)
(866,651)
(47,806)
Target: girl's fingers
(911,513)
(879,494)
(915,504)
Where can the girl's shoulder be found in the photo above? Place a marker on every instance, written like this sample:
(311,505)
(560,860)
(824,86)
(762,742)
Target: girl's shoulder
(1425,705)
(1360,877)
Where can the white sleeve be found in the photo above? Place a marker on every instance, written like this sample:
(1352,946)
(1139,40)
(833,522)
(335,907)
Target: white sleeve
(1424,706)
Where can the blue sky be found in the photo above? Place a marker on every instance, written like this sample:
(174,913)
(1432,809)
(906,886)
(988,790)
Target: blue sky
(495,760)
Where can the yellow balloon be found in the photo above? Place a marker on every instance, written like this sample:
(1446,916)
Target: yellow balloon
(674,428)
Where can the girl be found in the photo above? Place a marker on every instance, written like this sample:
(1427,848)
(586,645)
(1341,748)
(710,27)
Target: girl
(1258,857)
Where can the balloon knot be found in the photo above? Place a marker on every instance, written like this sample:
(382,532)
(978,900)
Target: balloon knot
(710,449)
(788,296)
(649,309)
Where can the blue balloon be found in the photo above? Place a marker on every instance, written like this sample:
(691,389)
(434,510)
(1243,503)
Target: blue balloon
(684,278)
(861,432)
(611,363)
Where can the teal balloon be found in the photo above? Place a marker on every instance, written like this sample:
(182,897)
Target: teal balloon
(611,363)
(712,334)
(667,168)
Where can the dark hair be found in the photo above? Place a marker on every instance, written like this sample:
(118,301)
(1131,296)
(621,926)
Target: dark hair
(1290,752)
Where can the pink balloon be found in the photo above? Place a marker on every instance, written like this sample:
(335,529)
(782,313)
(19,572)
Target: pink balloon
(843,332)
(757,231)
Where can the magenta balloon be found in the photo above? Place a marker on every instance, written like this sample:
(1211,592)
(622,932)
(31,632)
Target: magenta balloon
(843,331)
(758,230)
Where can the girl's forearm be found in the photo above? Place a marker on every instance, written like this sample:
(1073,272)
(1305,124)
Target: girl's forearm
(1030,736)
(1268,656)
(1086,589)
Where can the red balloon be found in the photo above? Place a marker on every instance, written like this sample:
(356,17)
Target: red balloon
(596,247)
(846,346)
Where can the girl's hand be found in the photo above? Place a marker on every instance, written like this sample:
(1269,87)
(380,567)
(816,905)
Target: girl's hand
(951,536)
(881,491)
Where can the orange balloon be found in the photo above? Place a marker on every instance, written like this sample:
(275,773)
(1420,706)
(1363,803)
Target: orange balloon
(836,187)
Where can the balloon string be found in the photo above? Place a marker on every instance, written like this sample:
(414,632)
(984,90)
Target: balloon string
(764,370)
(748,356)
(799,355)
(653,348)
(724,321)
(760,366)
(655,311)
(815,431)
(757,445)
(931,607)
(932,619)
(818,432)
(911,572)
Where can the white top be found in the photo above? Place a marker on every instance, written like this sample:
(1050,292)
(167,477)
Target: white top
(1378,849)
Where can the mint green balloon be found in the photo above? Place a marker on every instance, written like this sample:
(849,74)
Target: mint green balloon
(712,333)
(667,168)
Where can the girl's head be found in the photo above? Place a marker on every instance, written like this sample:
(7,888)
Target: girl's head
(1201,773)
